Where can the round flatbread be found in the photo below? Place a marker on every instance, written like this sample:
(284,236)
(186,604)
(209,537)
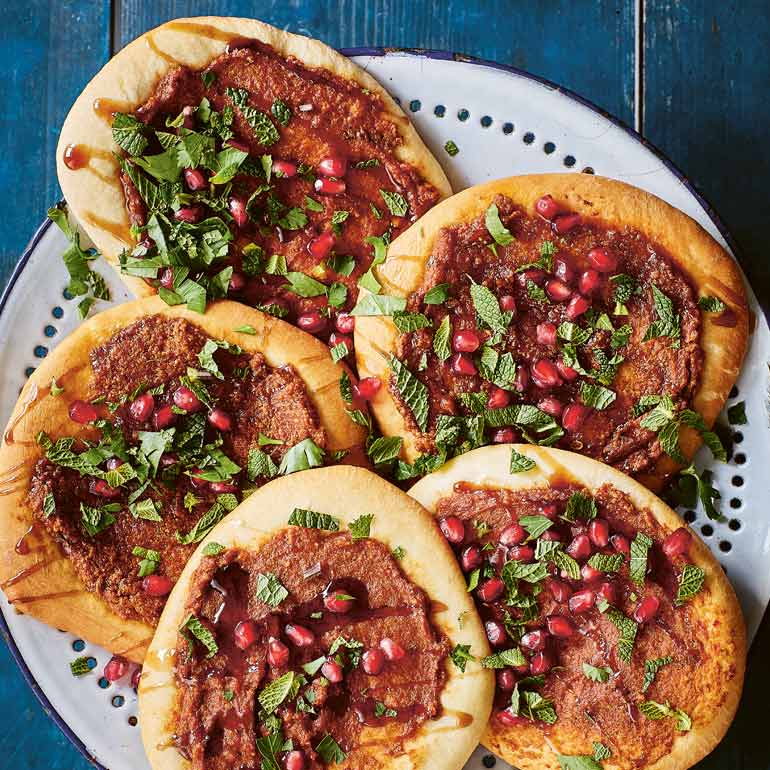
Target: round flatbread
(288,158)
(635,628)
(593,300)
(189,412)
(414,707)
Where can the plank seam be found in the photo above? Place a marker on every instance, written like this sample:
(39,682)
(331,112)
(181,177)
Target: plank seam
(640,8)
(114,26)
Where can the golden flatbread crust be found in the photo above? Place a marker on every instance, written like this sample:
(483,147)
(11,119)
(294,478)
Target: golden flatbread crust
(94,193)
(716,608)
(43,583)
(709,267)
(343,492)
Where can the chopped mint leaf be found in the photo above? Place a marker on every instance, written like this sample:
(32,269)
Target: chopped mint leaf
(79,666)
(736,414)
(302,517)
(651,668)
(597,673)
(212,549)
(596,396)
(193,629)
(360,528)
(499,232)
(441,345)
(580,506)
(413,392)
(451,148)
(395,202)
(438,295)
(520,463)
(410,322)
(460,655)
(690,583)
(378,304)
(711,304)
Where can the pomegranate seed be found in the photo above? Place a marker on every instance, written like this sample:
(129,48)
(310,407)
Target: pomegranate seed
(332,671)
(490,590)
(589,282)
(557,290)
(157,585)
(345,323)
(498,398)
(620,544)
(559,626)
(194,178)
(185,399)
(576,307)
(521,380)
(277,653)
(599,532)
(113,463)
(513,534)
(602,260)
(540,663)
(495,633)
(522,553)
(559,590)
(333,166)
(566,222)
(284,168)
(471,558)
(220,419)
(574,416)
(393,650)
(608,592)
(535,275)
(373,661)
(563,270)
(506,680)
(567,372)
(189,214)
(499,557)
(136,676)
(461,364)
(589,573)
(551,405)
(245,634)
(581,601)
(237,282)
(546,334)
(223,487)
(295,760)
(453,529)
(338,602)
(549,510)
(167,278)
(647,609)
(164,417)
(299,635)
(545,374)
(237,144)
(507,718)
(321,246)
(102,488)
(237,208)
(338,339)
(534,640)
(547,207)
(312,322)
(508,303)
(504,436)
(580,547)
(465,341)
(196,480)
(367,388)
(551,536)
(188,112)
(329,186)
(115,669)
(677,543)
(83,412)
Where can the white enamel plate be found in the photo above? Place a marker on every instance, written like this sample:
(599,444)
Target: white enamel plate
(504,122)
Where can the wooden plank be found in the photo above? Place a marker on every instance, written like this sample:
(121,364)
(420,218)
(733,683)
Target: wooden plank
(49,52)
(706,86)
(588,47)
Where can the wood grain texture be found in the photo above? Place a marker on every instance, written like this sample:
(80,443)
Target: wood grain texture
(707,105)
(49,51)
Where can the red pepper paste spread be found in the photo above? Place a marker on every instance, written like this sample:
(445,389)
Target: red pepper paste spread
(585,605)
(183,426)
(290,651)
(588,323)
(257,167)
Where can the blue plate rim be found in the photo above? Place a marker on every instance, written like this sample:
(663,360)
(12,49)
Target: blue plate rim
(429,53)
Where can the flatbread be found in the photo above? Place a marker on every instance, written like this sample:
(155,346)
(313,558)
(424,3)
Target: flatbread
(716,608)
(708,266)
(343,492)
(43,583)
(94,193)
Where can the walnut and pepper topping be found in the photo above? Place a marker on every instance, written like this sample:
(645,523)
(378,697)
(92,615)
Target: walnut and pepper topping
(585,604)
(309,657)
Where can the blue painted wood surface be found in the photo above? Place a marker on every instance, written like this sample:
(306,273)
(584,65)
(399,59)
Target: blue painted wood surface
(704,76)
